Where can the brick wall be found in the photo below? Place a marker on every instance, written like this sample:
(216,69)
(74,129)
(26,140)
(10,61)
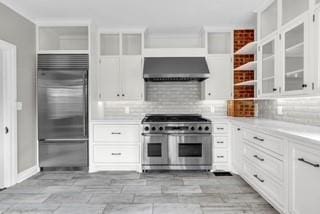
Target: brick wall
(167,98)
(298,110)
(242,37)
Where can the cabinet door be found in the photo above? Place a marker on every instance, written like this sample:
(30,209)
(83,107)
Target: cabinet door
(304,183)
(109,78)
(218,86)
(237,148)
(269,19)
(316,50)
(267,68)
(132,82)
(296,75)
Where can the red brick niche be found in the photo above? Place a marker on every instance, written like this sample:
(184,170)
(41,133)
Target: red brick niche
(242,108)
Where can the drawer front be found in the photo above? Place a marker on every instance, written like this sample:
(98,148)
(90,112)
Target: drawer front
(269,164)
(220,156)
(273,190)
(220,128)
(116,154)
(117,133)
(271,143)
(220,141)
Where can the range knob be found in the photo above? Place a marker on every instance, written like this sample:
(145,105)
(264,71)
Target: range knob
(206,128)
(146,128)
(200,128)
(160,128)
(192,128)
(153,128)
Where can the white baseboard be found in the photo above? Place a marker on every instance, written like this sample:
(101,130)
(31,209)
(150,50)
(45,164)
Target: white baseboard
(27,173)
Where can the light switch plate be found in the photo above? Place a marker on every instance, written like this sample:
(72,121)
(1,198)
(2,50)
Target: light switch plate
(280,110)
(19,106)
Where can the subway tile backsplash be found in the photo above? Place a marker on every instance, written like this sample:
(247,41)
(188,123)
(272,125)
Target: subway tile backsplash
(167,98)
(298,110)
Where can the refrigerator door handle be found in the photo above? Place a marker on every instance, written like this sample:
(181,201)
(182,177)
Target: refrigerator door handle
(85,104)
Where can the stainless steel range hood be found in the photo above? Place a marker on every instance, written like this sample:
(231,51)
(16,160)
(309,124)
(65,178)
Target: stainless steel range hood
(175,69)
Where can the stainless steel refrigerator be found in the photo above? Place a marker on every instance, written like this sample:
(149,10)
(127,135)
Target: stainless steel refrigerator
(63,110)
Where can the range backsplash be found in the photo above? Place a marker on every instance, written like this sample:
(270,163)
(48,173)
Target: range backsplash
(167,98)
(298,110)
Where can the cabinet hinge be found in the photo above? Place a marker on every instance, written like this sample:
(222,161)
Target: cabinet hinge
(280,90)
(259,48)
(314,17)
(99,61)
(280,36)
(312,85)
(99,96)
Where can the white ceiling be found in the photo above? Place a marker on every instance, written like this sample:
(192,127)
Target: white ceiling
(171,14)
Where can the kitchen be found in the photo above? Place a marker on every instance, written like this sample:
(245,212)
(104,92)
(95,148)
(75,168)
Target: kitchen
(176,107)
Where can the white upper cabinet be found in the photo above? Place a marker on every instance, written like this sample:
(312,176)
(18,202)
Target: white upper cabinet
(267,70)
(269,19)
(315,51)
(219,84)
(219,43)
(296,73)
(63,39)
(120,67)
(110,44)
(292,9)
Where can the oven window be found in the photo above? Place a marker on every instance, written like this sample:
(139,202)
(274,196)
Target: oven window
(154,150)
(190,149)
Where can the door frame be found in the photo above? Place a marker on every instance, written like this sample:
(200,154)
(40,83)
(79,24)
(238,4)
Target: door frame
(9,79)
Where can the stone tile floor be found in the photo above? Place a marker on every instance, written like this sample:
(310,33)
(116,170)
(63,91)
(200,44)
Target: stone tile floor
(134,193)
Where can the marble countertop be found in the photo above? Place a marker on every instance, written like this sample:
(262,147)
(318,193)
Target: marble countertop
(290,130)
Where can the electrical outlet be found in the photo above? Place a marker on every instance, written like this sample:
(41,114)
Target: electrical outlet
(280,110)
(212,109)
(127,110)
(19,106)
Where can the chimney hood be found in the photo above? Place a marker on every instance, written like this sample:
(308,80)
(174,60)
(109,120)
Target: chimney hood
(175,69)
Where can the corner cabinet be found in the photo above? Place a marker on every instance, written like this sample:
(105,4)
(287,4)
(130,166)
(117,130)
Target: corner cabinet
(219,84)
(304,179)
(120,78)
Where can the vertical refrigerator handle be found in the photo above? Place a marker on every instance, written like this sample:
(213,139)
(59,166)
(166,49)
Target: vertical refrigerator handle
(85,103)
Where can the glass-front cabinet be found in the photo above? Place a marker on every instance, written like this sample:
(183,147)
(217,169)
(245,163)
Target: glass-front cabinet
(295,55)
(269,19)
(292,9)
(267,73)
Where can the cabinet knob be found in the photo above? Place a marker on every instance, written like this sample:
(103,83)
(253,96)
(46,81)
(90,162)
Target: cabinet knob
(274,89)
(209,94)
(118,95)
(304,85)
(123,95)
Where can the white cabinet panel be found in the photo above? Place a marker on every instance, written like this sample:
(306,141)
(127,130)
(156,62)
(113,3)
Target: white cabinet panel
(131,78)
(269,19)
(220,156)
(116,154)
(220,141)
(293,8)
(109,78)
(237,148)
(116,133)
(220,128)
(219,84)
(304,183)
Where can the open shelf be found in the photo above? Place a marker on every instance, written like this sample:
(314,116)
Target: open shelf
(248,49)
(247,98)
(295,50)
(293,73)
(268,78)
(247,67)
(246,83)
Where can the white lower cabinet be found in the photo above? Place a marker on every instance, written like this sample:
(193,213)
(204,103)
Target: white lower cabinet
(114,147)
(236,148)
(304,179)
(221,146)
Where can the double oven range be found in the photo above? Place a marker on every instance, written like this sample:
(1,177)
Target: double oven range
(177,142)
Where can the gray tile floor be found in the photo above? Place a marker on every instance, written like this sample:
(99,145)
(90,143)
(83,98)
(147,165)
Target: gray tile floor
(130,192)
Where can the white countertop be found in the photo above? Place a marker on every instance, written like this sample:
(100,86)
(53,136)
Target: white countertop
(290,130)
(128,121)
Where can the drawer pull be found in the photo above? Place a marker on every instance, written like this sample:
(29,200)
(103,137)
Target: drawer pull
(220,142)
(220,156)
(257,177)
(116,133)
(259,139)
(116,154)
(219,128)
(307,162)
(257,157)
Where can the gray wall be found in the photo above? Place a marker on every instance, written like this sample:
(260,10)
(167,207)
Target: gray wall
(17,30)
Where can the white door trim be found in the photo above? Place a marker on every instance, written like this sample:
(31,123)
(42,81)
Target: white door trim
(10,112)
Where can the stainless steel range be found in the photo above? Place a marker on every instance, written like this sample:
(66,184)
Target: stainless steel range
(176,142)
